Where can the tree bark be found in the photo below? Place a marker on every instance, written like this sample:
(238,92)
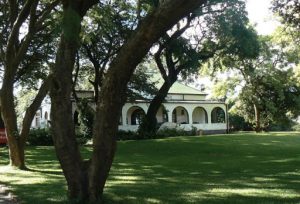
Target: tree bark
(257,118)
(61,119)
(113,96)
(74,168)
(32,109)
(150,123)
(16,149)
(16,141)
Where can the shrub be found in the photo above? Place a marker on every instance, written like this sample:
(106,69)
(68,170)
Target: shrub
(238,123)
(284,125)
(296,127)
(176,132)
(127,135)
(130,135)
(40,137)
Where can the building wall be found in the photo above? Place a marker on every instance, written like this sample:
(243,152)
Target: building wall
(192,115)
(189,114)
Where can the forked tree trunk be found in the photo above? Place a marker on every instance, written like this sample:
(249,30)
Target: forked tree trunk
(15,52)
(257,118)
(16,140)
(74,168)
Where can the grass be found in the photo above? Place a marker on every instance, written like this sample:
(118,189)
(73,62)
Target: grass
(242,168)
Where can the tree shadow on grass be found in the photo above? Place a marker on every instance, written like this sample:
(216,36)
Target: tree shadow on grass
(179,170)
(220,171)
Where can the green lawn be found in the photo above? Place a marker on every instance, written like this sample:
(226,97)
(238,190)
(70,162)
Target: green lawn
(244,168)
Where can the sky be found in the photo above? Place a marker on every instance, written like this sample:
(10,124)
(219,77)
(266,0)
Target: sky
(261,16)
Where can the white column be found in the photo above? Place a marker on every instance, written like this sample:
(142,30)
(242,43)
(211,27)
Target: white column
(124,116)
(190,112)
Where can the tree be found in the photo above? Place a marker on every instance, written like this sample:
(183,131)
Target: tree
(288,10)
(219,31)
(86,180)
(20,55)
(106,28)
(271,92)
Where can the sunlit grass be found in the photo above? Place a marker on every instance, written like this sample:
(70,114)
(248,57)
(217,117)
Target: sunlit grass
(242,168)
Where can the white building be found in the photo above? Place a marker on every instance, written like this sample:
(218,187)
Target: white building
(42,116)
(186,106)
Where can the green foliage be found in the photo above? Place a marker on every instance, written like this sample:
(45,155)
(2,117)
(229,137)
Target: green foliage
(40,137)
(286,125)
(296,127)
(130,135)
(176,132)
(139,86)
(84,126)
(238,123)
(34,66)
(127,135)
(288,10)
(269,83)
(105,31)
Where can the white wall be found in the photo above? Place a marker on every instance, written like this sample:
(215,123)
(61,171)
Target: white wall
(190,107)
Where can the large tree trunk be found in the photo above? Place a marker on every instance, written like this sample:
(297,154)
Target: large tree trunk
(16,147)
(113,91)
(150,122)
(257,118)
(61,119)
(74,168)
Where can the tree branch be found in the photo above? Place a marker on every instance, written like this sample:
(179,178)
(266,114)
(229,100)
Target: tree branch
(14,35)
(44,14)
(34,106)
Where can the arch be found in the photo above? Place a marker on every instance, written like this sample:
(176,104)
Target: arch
(218,115)
(135,115)
(180,115)
(199,115)
(46,115)
(162,115)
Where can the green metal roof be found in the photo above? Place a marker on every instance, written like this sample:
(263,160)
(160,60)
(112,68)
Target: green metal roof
(177,88)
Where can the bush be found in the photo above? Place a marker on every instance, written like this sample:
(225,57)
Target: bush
(296,127)
(285,125)
(127,135)
(130,135)
(40,137)
(238,123)
(176,132)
